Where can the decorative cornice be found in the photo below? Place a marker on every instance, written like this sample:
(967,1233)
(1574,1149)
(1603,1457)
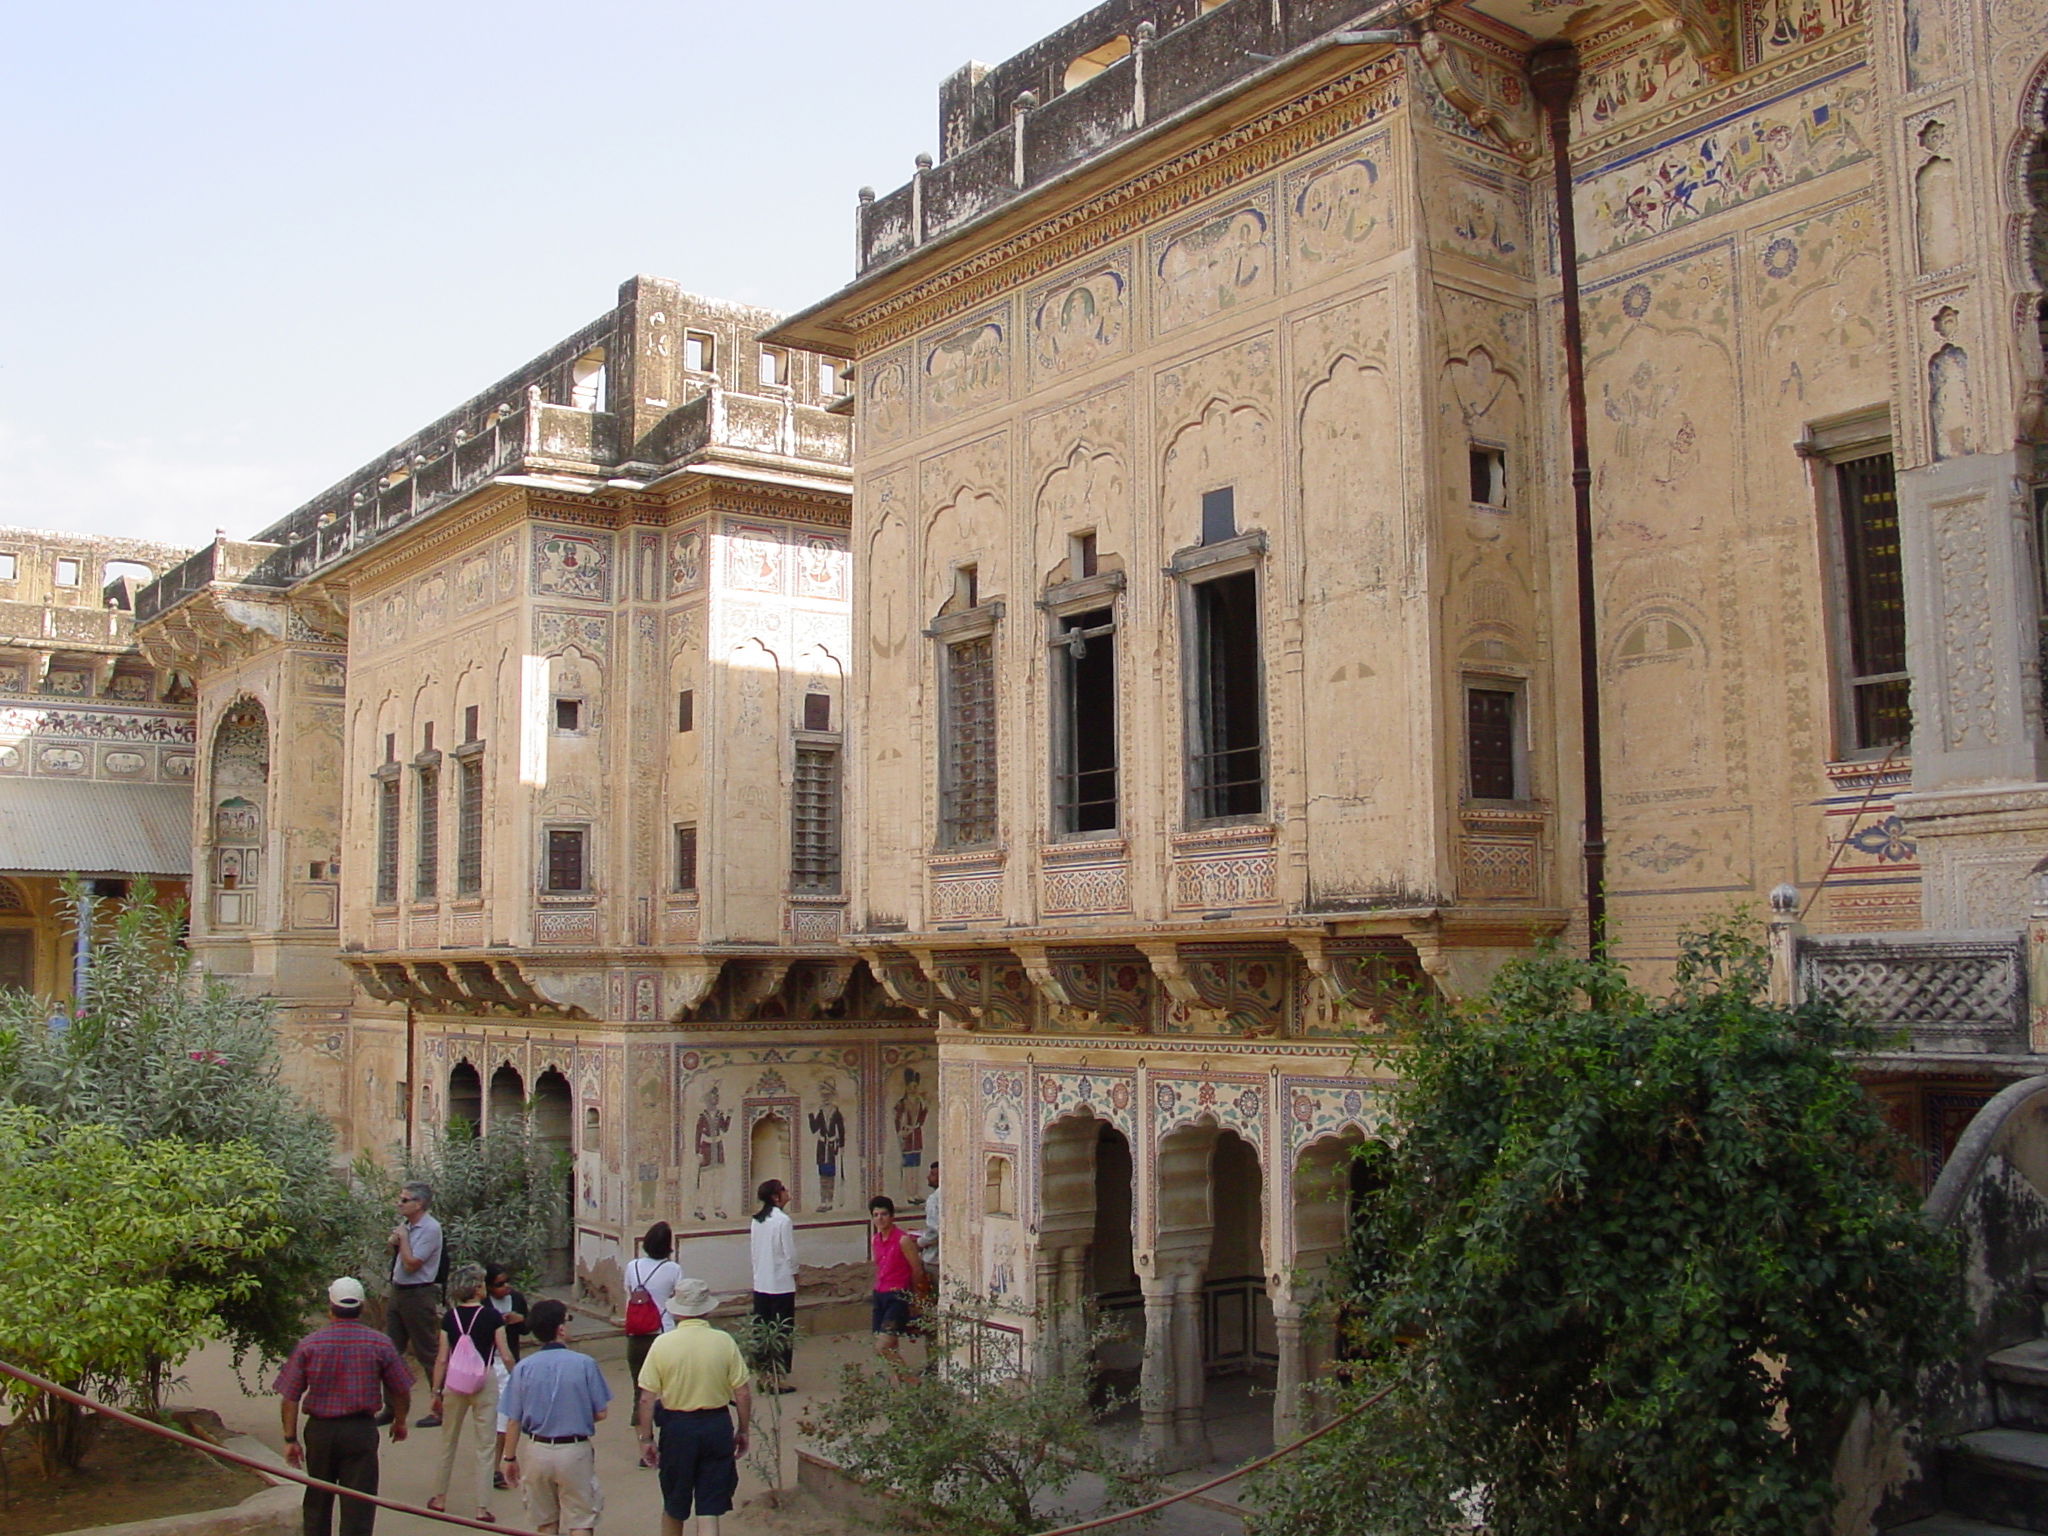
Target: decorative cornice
(1283,133)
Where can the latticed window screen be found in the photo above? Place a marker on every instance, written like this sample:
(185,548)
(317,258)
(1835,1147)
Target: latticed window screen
(427,873)
(967,812)
(469,827)
(387,840)
(565,860)
(814,822)
(1881,713)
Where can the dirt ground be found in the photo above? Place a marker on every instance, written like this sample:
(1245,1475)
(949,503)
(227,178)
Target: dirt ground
(128,1474)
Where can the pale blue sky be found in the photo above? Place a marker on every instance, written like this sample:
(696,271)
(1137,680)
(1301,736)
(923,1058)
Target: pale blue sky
(244,247)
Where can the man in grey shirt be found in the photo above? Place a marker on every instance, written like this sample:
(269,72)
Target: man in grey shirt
(414,1318)
(555,1398)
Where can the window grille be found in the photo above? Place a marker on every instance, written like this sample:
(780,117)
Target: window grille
(1490,743)
(427,874)
(1881,713)
(387,840)
(469,827)
(686,856)
(565,871)
(1227,766)
(1085,775)
(814,822)
(967,812)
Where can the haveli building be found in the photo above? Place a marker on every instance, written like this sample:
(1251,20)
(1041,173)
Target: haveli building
(96,744)
(519,781)
(1217,599)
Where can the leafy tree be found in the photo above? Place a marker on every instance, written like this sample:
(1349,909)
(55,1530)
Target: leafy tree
(972,1444)
(160,1052)
(1643,1255)
(498,1196)
(121,1257)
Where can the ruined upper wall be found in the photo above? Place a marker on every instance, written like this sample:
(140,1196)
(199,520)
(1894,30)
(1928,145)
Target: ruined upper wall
(996,149)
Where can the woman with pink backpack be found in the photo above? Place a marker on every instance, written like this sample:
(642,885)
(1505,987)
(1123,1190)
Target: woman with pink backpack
(464,1387)
(650,1281)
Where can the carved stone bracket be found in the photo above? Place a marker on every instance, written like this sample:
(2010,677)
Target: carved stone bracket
(1184,986)
(1038,966)
(990,987)
(1510,124)
(906,979)
(685,985)
(1368,977)
(470,987)
(751,983)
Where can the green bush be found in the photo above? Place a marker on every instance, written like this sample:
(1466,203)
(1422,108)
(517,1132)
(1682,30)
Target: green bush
(499,1196)
(121,1258)
(1642,1256)
(161,1052)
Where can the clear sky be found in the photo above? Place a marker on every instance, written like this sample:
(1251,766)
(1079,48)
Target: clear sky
(247,246)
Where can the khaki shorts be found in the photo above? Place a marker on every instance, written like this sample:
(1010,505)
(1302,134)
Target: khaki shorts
(560,1482)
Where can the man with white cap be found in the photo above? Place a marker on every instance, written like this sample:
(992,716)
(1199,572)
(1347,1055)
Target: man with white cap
(692,1376)
(341,1375)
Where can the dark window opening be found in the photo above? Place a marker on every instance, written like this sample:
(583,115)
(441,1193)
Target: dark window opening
(387,841)
(1489,468)
(967,586)
(686,856)
(390,747)
(427,737)
(1085,787)
(1490,743)
(427,873)
(817,711)
(1227,767)
(469,827)
(686,710)
(1084,556)
(565,871)
(1219,515)
(568,715)
(967,809)
(1881,712)
(814,822)
(469,722)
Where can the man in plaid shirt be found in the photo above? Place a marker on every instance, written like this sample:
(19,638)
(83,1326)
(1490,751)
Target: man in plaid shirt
(341,1375)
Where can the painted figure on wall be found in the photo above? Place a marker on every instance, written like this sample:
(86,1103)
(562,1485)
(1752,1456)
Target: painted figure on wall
(712,1124)
(828,1125)
(911,1112)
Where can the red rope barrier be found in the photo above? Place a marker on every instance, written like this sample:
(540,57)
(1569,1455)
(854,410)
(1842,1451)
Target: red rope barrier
(267,1469)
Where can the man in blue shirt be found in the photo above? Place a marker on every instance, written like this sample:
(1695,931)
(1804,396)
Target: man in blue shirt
(555,1398)
(413,1318)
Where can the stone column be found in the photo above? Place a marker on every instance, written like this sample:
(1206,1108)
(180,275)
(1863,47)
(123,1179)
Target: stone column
(1290,1382)
(1190,1434)
(1158,1387)
(1045,1299)
(1072,1318)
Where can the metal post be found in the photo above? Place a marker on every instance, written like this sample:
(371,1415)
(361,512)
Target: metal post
(1554,77)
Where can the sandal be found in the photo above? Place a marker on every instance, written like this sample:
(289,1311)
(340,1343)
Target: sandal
(487,1517)
(438,1504)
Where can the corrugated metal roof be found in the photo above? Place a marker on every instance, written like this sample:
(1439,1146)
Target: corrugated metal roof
(59,826)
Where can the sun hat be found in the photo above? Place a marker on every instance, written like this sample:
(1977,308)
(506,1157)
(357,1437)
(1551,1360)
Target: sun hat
(692,1298)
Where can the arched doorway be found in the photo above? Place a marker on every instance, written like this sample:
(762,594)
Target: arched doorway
(1084,1262)
(553,1127)
(1333,1179)
(769,1155)
(508,1096)
(1208,1316)
(465,1100)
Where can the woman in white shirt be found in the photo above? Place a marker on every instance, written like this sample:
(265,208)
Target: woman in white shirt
(773,1242)
(655,1272)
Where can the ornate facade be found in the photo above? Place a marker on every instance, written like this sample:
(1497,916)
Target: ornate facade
(96,743)
(519,784)
(1216,580)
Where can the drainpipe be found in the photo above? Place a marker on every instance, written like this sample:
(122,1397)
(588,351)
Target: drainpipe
(412,1082)
(1554,77)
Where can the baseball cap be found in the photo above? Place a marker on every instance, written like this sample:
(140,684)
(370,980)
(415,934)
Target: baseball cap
(345,1292)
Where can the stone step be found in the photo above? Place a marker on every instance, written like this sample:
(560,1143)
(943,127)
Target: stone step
(2019,1385)
(1953,1525)
(1999,1475)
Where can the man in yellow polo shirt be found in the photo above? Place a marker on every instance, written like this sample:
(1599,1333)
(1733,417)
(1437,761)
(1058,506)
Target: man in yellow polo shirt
(690,1377)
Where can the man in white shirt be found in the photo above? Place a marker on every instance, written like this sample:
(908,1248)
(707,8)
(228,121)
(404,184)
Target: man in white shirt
(928,1236)
(772,1241)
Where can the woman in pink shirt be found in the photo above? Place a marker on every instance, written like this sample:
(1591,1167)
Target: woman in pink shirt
(899,1275)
